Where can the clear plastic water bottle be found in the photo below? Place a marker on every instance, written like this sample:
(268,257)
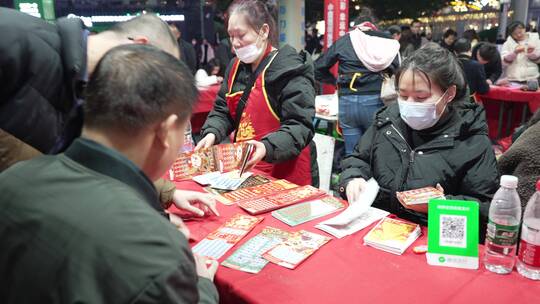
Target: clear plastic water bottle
(503,227)
(528,264)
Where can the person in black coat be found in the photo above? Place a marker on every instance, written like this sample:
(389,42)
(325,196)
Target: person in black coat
(474,71)
(224,53)
(434,136)
(449,37)
(44,67)
(488,55)
(187,51)
(359,80)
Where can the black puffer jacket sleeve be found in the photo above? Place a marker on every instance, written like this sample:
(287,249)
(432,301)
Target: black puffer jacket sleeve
(294,95)
(481,177)
(358,163)
(324,63)
(219,121)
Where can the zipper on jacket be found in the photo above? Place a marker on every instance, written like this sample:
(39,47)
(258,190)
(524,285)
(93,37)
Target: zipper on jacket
(411,157)
(411,160)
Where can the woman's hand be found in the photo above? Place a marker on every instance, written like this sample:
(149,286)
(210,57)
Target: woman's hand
(206,142)
(257,155)
(354,188)
(422,208)
(519,49)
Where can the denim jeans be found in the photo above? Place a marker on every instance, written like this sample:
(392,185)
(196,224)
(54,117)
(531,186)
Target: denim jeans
(356,114)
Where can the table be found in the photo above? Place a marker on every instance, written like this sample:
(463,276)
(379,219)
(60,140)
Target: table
(203,106)
(507,98)
(346,271)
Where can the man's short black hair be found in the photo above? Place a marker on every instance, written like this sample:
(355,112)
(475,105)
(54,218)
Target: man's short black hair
(449,32)
(462,45)
(134,86)
(415,21)
(150,26)
(488,52)
(365,15)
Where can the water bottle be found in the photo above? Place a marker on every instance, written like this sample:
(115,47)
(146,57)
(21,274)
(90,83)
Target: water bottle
(503,227)
(528,264)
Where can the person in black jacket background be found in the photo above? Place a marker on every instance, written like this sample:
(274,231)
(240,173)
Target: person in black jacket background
(187,51)
(359,81)
(44,68)
(449,37)
(487,55)
(433,136)
(474,71)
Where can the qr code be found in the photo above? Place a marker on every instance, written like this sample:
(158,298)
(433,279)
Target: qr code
(453,231)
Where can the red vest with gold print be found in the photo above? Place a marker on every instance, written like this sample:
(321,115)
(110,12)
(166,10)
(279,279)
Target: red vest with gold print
(258,120)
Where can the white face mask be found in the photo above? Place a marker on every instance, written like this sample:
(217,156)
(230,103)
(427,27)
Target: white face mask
(419,115)
(249,53)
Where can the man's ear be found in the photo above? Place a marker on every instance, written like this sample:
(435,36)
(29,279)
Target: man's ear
(164,128)
(140,40)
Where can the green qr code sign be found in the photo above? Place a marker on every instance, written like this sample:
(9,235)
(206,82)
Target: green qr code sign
(453,233)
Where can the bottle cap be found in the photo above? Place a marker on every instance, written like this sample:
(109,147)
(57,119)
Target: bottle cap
(509,181)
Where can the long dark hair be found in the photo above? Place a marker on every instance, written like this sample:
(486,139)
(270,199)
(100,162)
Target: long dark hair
(258,13)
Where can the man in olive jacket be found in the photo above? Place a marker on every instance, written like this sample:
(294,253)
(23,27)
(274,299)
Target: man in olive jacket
(85,226)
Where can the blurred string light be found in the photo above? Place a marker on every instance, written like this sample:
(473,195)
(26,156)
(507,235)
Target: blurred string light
(89,21)
(476,5)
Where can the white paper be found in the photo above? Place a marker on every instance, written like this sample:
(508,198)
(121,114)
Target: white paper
(357,208)
(224,181)
(367,218)
(329,102)
(325,155)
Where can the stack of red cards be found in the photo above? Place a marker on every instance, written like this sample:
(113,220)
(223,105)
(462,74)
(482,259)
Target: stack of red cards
(223,158)
(281,199)
(226,236)
(419,196)
(255,191)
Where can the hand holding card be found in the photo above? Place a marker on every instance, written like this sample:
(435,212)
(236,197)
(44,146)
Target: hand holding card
(258,153)
(248,151)
(418,199)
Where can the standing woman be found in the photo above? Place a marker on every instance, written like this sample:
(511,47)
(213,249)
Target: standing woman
(364,55)
(267,98)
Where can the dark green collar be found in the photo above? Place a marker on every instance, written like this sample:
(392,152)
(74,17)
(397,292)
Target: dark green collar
(111,163)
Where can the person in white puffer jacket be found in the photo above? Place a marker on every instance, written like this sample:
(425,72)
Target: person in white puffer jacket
(521,53)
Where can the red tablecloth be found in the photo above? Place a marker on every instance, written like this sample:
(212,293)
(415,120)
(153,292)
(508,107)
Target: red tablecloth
(204,105)
(346,271)
(511,96)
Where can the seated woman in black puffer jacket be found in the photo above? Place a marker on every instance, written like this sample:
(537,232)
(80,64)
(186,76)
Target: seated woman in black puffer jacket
(433,136)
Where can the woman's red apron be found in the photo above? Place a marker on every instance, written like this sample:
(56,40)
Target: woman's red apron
(258,120)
